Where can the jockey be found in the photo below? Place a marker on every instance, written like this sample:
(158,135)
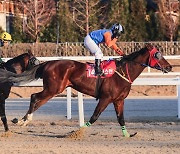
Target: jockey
(5,39)
(108,37)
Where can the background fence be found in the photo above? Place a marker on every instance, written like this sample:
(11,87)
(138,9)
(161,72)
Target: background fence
(78,49)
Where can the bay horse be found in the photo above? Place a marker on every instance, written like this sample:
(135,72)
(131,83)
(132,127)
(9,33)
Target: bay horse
(16,65)
(59,74)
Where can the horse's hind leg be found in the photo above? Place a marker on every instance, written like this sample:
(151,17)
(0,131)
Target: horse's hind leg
(37,100)
(52,86)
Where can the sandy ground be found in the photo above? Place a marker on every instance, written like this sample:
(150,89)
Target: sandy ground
(50,137)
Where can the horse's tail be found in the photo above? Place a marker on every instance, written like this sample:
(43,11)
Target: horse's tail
(25,77)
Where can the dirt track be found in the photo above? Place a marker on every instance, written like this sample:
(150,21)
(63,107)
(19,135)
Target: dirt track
(48,137)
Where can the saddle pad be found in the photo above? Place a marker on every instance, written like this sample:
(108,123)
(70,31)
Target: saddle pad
(108,67)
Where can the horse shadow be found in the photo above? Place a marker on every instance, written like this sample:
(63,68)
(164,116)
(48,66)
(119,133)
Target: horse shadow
(33,133)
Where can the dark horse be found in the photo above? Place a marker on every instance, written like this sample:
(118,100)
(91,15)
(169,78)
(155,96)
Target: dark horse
(57,75)
(16,65)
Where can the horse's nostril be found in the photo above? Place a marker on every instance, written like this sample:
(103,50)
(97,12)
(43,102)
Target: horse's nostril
(169,68)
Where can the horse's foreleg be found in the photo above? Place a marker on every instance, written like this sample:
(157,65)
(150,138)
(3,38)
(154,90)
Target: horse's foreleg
(119,108)
(4,120)
(101,106)
(103,103)
(2,112)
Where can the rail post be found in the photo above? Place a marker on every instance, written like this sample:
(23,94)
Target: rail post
(178,96)
(81,109)
(68,102)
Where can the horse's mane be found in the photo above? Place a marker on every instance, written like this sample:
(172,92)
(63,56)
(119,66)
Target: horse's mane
(131,56)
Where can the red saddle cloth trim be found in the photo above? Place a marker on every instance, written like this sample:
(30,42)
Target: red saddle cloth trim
(108,67)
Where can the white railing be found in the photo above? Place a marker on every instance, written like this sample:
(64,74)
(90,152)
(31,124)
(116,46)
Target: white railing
(139,81)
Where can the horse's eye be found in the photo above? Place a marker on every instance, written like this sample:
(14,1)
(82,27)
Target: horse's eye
(158,55)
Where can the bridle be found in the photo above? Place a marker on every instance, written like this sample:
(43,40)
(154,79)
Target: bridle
(33,61)
(154,57)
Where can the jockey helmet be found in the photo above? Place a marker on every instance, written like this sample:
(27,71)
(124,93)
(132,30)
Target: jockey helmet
(117,29)
(5,36)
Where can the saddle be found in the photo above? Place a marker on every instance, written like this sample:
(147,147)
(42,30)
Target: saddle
(107,66)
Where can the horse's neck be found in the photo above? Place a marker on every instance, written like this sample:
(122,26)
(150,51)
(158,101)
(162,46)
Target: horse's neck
(18,64)
(136,67)
(15,68)
(134,70)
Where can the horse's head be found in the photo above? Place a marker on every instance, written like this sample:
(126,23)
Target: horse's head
(156,59)
(21,63)
(32,61)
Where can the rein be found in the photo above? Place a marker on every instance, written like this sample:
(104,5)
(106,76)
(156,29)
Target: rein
(127,71)
(158,68)
(152,62)
(148,65)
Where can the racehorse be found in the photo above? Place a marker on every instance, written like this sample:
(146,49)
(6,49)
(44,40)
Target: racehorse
(16,65)
(57,75)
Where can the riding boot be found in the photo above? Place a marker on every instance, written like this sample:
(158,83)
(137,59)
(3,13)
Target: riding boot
(98,70)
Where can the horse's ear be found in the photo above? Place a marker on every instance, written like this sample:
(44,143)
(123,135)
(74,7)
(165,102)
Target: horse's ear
(149,46)
(30,53)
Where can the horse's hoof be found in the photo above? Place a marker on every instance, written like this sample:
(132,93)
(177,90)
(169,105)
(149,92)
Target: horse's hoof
(21,122)
(15,121)
(132,135)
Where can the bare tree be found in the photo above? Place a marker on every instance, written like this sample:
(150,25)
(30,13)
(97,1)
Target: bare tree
(83,11)
(37,15)
(169,17)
